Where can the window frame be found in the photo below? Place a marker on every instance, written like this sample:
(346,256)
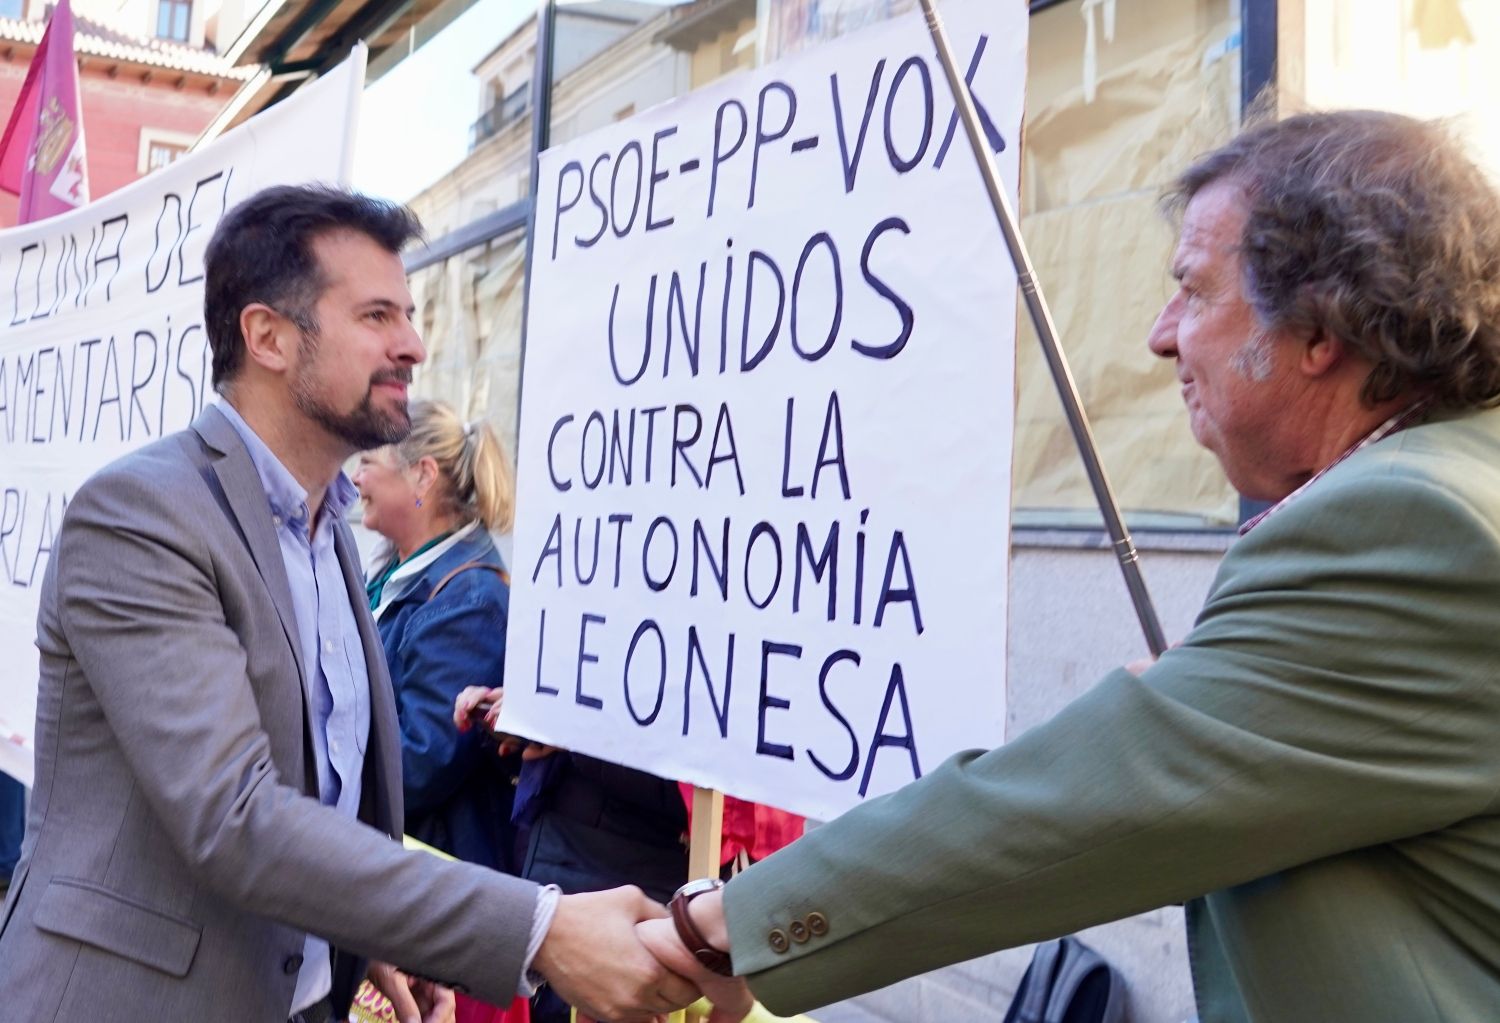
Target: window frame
(173,11)
(159,137)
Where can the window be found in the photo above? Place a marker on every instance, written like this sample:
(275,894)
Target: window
(501,113)
(162,153)
(159,148)
(1103,136)
(173,18)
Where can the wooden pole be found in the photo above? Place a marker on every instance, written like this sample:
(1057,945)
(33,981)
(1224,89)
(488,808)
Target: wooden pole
(706,840)
(705,843)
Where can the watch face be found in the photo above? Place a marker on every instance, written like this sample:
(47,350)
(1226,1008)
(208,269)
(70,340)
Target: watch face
(698,887)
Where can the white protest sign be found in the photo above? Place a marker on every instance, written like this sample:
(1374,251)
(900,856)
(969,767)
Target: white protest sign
(102,347)
(766,433)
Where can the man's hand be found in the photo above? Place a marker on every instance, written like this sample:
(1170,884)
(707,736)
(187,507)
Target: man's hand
(594,960)
(1141,666)
(415,1000)
(730,996)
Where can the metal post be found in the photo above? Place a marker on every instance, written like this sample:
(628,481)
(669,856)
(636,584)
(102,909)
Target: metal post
(541,134)
(1258,60)
(1046,332)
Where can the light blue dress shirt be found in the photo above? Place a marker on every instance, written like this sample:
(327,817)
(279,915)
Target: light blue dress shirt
(328,634)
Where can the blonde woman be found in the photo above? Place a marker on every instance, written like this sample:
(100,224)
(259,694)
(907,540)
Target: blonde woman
(441,598)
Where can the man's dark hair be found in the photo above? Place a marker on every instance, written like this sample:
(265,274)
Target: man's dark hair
(1378,229)
(262,252)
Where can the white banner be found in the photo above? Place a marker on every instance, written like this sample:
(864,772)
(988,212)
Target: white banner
(102,347)
(766,433)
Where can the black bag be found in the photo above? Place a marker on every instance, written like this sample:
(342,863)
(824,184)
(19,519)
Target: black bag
(1068,982)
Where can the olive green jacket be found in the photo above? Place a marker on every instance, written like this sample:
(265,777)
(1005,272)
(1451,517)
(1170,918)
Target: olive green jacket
(1315,771)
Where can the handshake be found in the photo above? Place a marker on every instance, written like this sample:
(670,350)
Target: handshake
(619,958)
(617,955)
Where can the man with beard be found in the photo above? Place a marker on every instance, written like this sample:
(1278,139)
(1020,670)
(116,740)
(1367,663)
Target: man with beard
(215,826)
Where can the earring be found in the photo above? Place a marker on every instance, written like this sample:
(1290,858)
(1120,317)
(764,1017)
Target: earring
(419,502)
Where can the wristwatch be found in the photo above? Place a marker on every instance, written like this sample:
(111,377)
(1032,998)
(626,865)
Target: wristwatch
(715,959)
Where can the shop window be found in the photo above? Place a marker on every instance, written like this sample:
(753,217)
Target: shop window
(1109,122)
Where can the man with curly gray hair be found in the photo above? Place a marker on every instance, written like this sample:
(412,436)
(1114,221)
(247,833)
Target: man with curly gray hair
(1315,770)
(1363,245)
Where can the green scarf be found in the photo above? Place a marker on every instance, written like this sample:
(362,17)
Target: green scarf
(376,586)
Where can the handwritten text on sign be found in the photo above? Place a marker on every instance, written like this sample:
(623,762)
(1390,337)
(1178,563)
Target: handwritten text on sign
(765,446)
(102,344)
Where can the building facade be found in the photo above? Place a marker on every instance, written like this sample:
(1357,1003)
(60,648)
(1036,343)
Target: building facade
(1120,97)
(149,82)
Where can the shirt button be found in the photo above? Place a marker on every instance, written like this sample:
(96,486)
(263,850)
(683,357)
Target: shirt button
(334,746)
(328,646)
(778,941)
(276,520)
(798,930)
(817,924)
(292,964)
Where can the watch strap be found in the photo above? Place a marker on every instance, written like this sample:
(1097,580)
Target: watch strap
(714,959)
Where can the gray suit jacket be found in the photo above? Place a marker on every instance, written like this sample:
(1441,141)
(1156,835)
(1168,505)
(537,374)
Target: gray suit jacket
(176,854)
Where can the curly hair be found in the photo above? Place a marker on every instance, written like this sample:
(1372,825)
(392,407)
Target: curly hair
(1378,229)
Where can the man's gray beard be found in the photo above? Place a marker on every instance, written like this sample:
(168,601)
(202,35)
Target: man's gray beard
(1254,360)
(363,429)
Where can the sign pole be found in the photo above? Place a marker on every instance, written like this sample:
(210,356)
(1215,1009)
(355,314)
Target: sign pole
(705,840)
(705,843)
(1046,332)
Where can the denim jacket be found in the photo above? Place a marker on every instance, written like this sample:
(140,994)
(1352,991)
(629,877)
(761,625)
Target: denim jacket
(458,791)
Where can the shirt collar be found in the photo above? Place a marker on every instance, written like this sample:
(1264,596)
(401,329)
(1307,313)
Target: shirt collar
(287,497)
(424,560)
(408,571)
(1396,423)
